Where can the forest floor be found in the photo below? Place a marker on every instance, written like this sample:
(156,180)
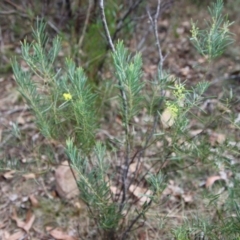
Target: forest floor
(30,206)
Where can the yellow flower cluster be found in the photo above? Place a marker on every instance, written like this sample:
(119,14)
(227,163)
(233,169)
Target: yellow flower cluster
(194,31)
(179,91)
(172,108)
(67,96)
(225,28)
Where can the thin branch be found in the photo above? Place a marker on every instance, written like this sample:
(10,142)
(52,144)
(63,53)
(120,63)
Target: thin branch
(141,153)
(170,152)
(120,25)
(87,203)
(8,12)
(145,208)
(121,21)
(14,5)
(159,169)
(154,22)
(146,145)
(161,60)
(124,101)
(85,24)
(105,26)
(53,27)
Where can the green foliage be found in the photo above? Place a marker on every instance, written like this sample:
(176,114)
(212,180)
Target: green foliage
(212,41)
(129,75)
(92,181)
(95,189)
(180,233)
(61,99)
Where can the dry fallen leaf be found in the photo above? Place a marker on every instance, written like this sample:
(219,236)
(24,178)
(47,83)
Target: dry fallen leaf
(141,193)
(65,183)
(29,176)
(187,197)
(216,138)
(5,235)
(185,71)
(135,166)
(77,205)
(21,120)
(114,189)
(21,224)
(195,132)
(175,192)
(142,235)
(2,225)
(15,236)
(9,174)
(167,118)
(59,234)
(33,200)
(211,180)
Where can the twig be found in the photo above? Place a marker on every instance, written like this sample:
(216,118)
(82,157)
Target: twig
(7,12)
(105,26)
(161,60)
(85,24)
(53,27)
(121,21)
(156,117)
(136,219)
(120,25)
(124,101)
(155,164)
(140,44)
(14,5)
(155,29)
(143,177)
(16,109)
(76,180)
(45,189)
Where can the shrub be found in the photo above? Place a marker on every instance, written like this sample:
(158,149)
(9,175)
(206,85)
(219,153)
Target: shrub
(119,197)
